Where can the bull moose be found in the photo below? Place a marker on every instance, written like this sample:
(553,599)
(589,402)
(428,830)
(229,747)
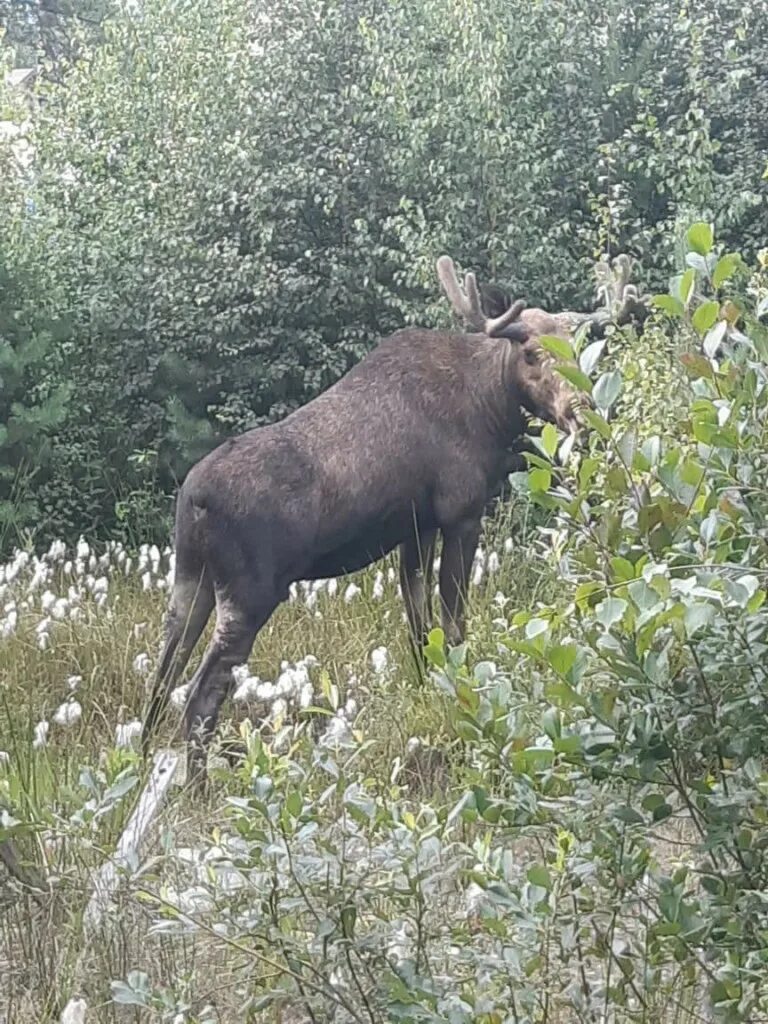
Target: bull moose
(410,443)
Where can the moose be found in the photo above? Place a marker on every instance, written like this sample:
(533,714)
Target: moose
(409,444)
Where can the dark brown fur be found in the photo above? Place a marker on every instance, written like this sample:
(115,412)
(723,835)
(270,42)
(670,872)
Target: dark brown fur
(411,442)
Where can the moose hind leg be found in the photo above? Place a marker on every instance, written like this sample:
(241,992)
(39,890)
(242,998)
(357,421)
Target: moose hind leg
(459,546)
(237,623)
(190,609)
(416,558)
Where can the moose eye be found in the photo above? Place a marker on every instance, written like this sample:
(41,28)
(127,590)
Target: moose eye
(531,357)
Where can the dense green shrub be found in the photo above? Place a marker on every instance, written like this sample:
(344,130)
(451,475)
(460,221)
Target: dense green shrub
(604,857)
(232,202)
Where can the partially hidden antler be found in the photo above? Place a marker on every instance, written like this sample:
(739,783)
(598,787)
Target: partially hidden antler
(466,301)
(619,300)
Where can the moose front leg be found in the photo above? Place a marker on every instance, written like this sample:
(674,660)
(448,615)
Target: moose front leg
(416,557)
(459,546)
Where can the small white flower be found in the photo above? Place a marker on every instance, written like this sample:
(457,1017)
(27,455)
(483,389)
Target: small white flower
(68,714)
(333,586)
(493,562)
(509,545)
(380,660)
(378,586)
(279,710)
(141,664)
(60,608)
(74,1012)
(474,896)
(266,692)
(47,600)
(247,689)
(179,695)
(351,593)
(391,574)
(43,641)
(101,585)
(307,695)
(82,550)
(477,574)
(146,581)
(338,732)
(41,734)
(127,734)
(240,673)
(74,681)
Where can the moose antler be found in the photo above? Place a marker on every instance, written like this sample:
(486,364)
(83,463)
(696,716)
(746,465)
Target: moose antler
(466,301)
(619,300)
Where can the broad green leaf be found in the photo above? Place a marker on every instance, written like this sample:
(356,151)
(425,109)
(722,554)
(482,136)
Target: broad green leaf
(557,346)
(610,611)
(669,304)
(607,389)
(597,422)
(540,479)
(629,815)
(562,657)
(589,357)
(539,875)
(685,287)
(575,376)
(697,616)
(700,237)
(726,267)
(705,316)
(714,338)
(549,440)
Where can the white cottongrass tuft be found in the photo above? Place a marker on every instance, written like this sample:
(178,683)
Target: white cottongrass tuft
(378,586)
(141,664)
(179,695)
(247,689)
(74,1012)
(351,593)
(380,660)
(128,733)
(73,682)
(5,758)
(41,734)
(68,714)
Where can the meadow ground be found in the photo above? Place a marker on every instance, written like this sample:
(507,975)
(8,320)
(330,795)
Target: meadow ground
(79,635)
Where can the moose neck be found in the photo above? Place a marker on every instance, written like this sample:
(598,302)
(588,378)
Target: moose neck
(502,398)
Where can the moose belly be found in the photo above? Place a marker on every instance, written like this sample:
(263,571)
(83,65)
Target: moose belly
(361,549)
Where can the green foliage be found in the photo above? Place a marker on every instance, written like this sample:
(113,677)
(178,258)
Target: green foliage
(33,402)
(653,670)
(242,199)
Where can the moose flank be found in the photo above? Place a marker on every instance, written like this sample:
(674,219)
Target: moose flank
(409,444)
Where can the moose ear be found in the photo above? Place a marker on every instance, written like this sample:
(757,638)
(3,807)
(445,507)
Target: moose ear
(495,301)
(515,332)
